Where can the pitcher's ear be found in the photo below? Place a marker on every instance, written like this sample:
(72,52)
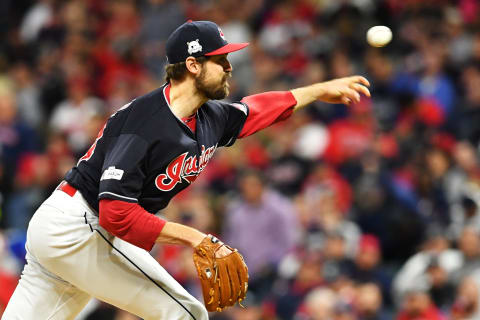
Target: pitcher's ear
(193,65)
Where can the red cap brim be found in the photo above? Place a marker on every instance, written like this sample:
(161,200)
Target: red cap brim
(231,47)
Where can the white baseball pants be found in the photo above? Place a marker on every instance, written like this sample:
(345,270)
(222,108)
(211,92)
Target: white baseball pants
(70,259)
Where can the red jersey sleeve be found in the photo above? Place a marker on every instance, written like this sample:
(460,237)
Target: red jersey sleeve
(266,109)
(130,222)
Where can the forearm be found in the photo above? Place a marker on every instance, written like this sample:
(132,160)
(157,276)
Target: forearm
(343,90)
(130,222)
(175,233)
(307,95)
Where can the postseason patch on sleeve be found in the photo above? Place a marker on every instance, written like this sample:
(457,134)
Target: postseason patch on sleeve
(112,173)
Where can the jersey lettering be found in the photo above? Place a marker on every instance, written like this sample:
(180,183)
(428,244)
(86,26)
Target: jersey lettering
(91,150)
(183,168)
(173,174)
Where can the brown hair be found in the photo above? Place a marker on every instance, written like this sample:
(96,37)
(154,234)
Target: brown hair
(178,71)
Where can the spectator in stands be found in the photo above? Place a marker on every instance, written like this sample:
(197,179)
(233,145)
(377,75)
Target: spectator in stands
(319,304)
(442,287)
(28,96)
(72,116)
(306,274)
(17,139)
(470,106)
(261,224)
(436,263)
(464,213)
(466,306)
(469,246)
(366,267)
(335,253)
(418,305)
(159,19)
(369,303)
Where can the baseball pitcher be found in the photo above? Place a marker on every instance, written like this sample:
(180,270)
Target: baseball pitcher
(92,236)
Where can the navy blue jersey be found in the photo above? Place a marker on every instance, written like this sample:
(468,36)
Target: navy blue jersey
(146,154)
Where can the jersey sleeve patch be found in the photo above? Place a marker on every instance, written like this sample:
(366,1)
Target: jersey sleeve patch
(123,168)
(112,173)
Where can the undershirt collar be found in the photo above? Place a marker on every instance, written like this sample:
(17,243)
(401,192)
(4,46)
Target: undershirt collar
(190,121)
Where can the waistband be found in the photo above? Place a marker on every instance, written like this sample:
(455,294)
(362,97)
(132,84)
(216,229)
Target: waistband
(70,190)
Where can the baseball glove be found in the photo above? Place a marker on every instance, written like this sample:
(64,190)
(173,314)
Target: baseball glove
(224,280)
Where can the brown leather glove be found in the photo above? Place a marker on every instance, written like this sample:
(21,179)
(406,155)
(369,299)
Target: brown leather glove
(224,280)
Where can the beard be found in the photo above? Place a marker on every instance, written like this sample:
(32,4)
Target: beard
(216,91)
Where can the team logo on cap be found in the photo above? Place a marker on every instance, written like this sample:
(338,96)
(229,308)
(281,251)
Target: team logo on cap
(221,34)
(194,47)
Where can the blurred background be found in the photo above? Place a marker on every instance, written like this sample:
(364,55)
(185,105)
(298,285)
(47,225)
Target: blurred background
(367,212)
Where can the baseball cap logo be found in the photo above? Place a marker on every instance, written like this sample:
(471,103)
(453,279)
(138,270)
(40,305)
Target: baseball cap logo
(221,34)
(194,46)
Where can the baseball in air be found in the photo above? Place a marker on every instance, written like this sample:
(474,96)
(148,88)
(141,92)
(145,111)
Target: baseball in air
(379,36)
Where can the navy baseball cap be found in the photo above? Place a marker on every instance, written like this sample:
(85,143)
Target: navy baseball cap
(197,39)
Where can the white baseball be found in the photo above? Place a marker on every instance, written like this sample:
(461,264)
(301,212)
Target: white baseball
(379,36)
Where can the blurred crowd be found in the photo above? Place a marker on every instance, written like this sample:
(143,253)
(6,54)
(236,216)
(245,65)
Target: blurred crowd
(367,212)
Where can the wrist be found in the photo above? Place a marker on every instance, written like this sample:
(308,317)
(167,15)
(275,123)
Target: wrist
(175,233)
(319,90)
(196,239)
